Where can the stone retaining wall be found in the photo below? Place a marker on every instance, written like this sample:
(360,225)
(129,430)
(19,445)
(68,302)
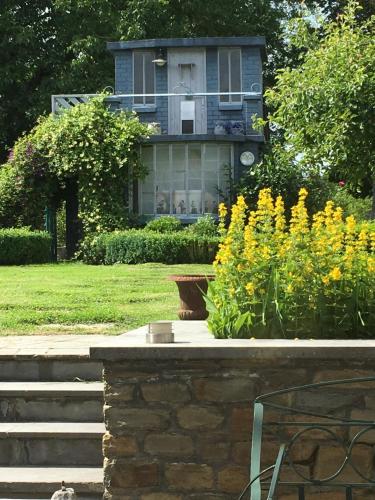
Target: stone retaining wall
(179,417)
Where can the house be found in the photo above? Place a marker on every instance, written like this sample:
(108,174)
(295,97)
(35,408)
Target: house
(198,95)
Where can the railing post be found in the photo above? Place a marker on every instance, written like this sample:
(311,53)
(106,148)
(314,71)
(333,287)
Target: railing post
(51,227)
(255,490)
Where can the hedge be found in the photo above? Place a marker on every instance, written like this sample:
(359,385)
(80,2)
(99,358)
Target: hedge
(22,246)
(140,246)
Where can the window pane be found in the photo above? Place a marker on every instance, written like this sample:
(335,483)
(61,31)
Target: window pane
(162,182)
(162,202)
(187,127)
(149,77)
(195,201)
(235,74)
(148,203)
(223,74)
(147,186)
(224,169)
(138,77)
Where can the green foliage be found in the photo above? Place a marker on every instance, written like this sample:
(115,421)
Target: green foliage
(89,143)
(22,246)
(204,226)
(22,198)
(61,225)
(139,246)
(325,107)
(164,224)
(359,207)
(278,171)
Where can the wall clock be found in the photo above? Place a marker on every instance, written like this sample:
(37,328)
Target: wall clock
(247,158)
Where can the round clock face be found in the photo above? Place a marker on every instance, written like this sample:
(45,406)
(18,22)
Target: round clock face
(247,158)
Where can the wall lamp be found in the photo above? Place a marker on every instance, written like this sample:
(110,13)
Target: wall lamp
(160,60)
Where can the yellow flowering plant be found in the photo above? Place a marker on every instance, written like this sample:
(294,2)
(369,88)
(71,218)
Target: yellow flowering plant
(309,277)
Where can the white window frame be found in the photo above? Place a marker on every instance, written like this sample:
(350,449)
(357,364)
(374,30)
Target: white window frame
(231,99)
(170,166)
(143,53)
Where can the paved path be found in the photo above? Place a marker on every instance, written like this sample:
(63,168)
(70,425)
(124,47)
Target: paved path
(45,346)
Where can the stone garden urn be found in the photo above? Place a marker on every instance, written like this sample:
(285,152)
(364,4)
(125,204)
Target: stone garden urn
(64,493)
(192,288)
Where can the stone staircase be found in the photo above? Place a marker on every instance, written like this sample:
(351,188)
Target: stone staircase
(50,423)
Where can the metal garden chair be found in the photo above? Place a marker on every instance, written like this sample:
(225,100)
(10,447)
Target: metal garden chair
(325,416)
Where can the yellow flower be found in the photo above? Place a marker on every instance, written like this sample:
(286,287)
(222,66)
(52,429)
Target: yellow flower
(325,280)
(250,288)
(289,288)
(335,274)
(222,211)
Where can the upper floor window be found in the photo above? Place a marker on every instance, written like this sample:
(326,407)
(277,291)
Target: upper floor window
(144,77)
(230,74)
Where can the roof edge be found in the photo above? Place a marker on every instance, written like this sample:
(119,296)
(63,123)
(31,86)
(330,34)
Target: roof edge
(249,41)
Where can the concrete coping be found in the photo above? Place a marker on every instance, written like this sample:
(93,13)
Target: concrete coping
(194,341)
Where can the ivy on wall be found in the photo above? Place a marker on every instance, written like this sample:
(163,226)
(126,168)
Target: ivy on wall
(90,143)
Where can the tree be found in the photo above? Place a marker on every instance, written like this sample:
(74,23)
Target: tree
(325,107)
(88,145)
(59,46)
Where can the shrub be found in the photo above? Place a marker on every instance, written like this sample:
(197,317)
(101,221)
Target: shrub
(165,224)
(204,226)
(140,246)
(22,246)
(21,201)
(359,207)
(307,279)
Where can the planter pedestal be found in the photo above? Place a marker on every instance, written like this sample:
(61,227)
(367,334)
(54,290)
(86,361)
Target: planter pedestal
(191,288)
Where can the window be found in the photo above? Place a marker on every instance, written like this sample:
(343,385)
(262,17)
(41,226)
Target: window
(230,74)
(185,180)
(144,77)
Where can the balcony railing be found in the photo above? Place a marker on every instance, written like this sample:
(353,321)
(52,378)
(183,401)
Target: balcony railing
(61,102)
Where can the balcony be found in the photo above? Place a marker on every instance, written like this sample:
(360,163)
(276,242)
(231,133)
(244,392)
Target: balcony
(183,113)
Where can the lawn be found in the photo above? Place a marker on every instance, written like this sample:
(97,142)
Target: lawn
(82,299)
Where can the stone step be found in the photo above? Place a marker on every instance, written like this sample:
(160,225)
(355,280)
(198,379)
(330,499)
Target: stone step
(40,482)
(52,401)
(41,369)
(51,443)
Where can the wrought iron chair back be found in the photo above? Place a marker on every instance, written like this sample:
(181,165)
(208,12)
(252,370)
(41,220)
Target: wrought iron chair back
(290,423)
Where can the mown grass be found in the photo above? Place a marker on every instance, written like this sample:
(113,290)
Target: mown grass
(77,298)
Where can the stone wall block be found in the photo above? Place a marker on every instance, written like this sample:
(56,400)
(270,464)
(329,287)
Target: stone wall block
(337,374)
(135,474)
(224,390)
(330,458)
(214,448)
(367,437)
(329,400)
(118,392)
(172,445)
(241,453)
(119,446)
(169,391)
(241,422)
(199,417)
(161,496)
(189,476)
(233,479)
(123,419)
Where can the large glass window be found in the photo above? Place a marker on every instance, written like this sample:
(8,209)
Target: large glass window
(185,179)
(230,74)
(144,77)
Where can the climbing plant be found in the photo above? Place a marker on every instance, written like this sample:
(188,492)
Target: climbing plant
(91,144)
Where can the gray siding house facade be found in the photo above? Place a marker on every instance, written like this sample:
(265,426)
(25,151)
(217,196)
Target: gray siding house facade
(198,94)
